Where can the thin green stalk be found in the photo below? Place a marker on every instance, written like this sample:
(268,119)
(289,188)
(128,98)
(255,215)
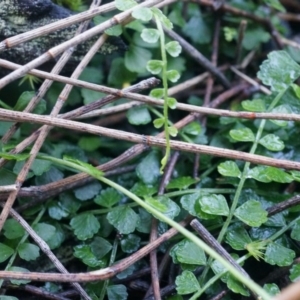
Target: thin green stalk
(215,278)
(111,261)
(204,190)
(94,172)
(246,170)
(242,180)
(107,210)
(283,230)
(158,114)
(165,88)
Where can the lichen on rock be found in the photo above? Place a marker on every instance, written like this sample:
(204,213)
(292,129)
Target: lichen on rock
(19,16)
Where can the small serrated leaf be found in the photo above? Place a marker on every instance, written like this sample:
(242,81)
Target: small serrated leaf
(12,229)
(256,105)
(243,134)
(229,168)
(130,243)
(18,269)
(251,213)
(28,251)
(281,109)
(123,218)
(214,204)
(5,252)
(186,283)
(187,252)
(279,255)
(272,142)
(181,183)
(85,226)
(237,237)
(108,198)
(278,71)
(117,292)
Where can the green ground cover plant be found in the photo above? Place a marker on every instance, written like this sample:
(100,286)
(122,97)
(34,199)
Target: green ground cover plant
(202,174)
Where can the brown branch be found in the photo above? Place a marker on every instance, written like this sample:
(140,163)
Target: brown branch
(102,274)
(7,115)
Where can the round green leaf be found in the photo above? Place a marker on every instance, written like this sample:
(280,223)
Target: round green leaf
(242,134)
(142,13)
(173,48)
(150,35)
(173,75)
(159,122)
(251,213)
(154,66)
(272,142)
(172,102)
(214,204)
(157,93)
